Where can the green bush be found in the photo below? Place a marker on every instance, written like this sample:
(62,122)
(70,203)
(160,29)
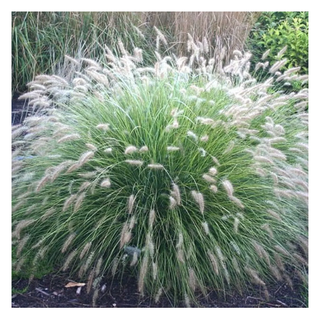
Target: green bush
(277,30)
(169,172)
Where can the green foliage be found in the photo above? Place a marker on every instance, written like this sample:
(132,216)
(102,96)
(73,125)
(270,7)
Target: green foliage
(40,40)
(185,179)
(276,30)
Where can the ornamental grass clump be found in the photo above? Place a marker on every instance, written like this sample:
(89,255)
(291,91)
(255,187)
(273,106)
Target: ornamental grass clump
(192,181)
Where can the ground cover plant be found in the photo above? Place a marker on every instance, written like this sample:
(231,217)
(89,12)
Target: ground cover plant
(189,179)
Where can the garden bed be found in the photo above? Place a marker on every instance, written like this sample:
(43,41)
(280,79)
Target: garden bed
(50,292)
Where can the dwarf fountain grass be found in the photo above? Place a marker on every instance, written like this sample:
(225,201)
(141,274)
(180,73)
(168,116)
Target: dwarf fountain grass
(132,170)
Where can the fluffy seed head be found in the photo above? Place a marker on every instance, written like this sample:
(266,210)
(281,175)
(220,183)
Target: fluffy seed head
(143,149)
(156,166)
(137,163)
(130,150)
(103,126)
(176,193)
(79,201)
(85,157)
(69,259)
(209,178)
(68,202)
(21,225)
(228,187)
(68,242)
(106,183)
(131,201)
(198,197)
(152,216)
(214,262)
(85,249)
(172,148)
(69,137)
(173,203)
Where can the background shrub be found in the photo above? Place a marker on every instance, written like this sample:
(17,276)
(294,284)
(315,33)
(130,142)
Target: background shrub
(276,30)
(190,180)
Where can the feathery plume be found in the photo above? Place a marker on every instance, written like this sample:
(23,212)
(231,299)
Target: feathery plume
(172,148)
(156,166)
(267,228)
(180,240)
(192,279)
(47,214)
(125,235)
(132,222)
(143,272)
(154,270)
(198,197)
(69,137)
(254,276)
(91,147)
(180,255)
(59,169)
(143,149)
(69,259)
(42,182)
(68,242)
(114,266)
(18,205)
(187,300)
(131,201)
(137,163)
(173,203)
(276,66)
(158,295)
(79,201)
(192,135)
(236,225)
(237,201)
(21,225)
(68,202)
(236,265)
(204,138)
(228,187)
(85,157)
(103,126)
(214,262)
(152,216)
(130,150)
(22,243)
(213,188)
(85,249)
(85,185)
(274,214)
(134,259)
(213,171)
(106,183)
(176,193)
(209,178)
(161,36)
(73,167)
(282,250)
(205,227)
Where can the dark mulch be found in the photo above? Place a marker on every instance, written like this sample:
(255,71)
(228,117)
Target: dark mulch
(50,292)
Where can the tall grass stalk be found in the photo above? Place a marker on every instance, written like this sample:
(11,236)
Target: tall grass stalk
(40,40)
(219,212)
